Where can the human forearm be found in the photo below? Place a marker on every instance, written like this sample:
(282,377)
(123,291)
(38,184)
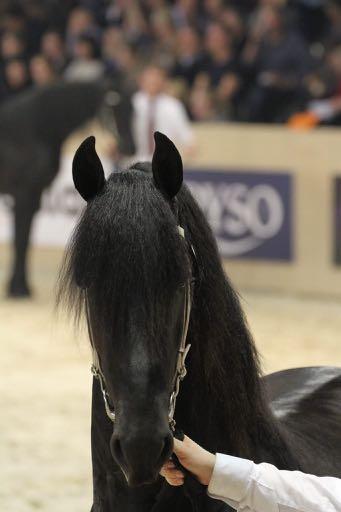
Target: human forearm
(264,488)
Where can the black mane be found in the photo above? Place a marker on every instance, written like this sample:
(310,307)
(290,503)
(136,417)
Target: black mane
(226,381)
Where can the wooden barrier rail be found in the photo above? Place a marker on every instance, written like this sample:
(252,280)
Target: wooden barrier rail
(313,159)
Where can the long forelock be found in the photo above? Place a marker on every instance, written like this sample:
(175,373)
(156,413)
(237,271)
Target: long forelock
(125,252)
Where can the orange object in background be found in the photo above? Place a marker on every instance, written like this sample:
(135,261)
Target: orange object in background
(303,121)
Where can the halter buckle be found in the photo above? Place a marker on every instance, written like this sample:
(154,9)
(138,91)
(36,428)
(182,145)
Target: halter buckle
(94,371)
(182,373)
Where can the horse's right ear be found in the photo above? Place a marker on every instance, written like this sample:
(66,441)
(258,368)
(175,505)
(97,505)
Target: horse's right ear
(166,166)
(87,170)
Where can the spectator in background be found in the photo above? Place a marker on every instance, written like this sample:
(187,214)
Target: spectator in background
(155,110)
(221,69)
(226,95)
(53,48)
(135,26)
(324,90)
(312,22)
(229,59)
(201,103)
(187,12)
(85,64)
(12,46)
(35,14)
(276,60)
(112,40)
(42,71)
(119,57)
(13,19)
(163,32)
(333,11)
(231,19)
(80,23)
(189,57)
(127,65)
(213,10)
(15,78)
(221,57)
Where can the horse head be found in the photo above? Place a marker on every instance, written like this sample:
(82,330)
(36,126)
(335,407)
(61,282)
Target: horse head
(130,264)
(116,113)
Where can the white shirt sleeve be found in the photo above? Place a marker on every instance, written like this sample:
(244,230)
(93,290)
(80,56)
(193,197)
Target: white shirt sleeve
(250,487)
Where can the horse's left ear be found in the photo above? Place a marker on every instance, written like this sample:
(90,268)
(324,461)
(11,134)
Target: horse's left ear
(167,166)
(87,170)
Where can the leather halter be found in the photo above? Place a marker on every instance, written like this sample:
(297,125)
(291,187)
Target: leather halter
(180,372)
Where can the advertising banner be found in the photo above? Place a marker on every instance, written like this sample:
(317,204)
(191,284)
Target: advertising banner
(250,213)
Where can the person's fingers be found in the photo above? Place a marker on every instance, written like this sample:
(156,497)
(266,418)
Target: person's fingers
(176,483)
(167,465)
(174,479)
(177,445)
(183,448)
(179,448)
(172,473)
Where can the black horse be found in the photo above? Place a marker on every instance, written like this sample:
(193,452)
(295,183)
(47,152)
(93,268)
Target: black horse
(33,128)
(129,267)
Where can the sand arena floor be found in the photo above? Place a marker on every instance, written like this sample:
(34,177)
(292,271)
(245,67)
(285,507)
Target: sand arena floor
(45,384)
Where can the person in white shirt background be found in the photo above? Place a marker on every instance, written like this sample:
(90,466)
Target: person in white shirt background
(250,487)
(156,110)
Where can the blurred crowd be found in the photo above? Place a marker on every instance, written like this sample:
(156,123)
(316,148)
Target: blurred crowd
(239,60)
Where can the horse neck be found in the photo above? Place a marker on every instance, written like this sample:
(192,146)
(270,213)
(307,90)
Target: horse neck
(65,107)
(225,409)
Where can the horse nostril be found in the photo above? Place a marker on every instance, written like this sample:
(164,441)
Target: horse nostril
(141,455)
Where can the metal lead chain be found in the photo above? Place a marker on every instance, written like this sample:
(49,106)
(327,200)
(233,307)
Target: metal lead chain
(108,410)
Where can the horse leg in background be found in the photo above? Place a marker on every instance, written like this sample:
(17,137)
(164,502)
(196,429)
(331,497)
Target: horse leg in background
(110,490)
(26,204)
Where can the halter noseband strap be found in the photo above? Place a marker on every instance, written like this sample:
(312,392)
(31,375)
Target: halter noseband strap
(97,372)
(180,372)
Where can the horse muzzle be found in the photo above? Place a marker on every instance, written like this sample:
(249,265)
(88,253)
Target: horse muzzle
(141,457)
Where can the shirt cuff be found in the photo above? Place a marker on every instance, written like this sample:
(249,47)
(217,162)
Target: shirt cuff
(230,477)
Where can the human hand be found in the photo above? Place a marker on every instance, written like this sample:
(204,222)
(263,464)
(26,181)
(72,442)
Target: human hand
(192,457)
